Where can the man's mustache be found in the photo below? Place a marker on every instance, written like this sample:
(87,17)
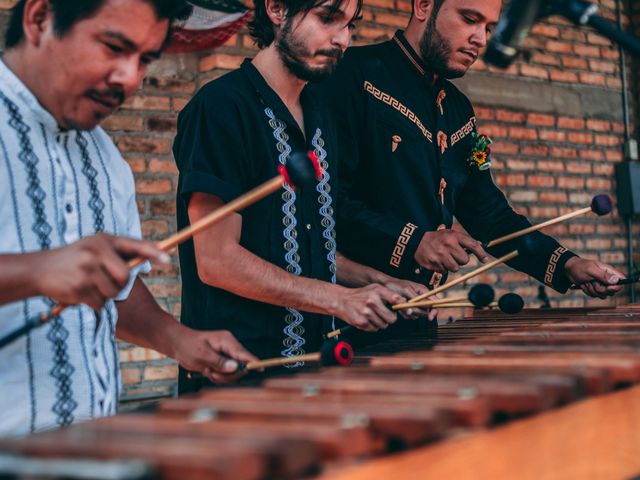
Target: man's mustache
(334,52)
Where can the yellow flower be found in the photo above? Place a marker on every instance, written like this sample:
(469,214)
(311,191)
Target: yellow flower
(479,157)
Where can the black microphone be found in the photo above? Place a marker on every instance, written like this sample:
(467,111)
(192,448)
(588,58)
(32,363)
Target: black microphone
(511,30)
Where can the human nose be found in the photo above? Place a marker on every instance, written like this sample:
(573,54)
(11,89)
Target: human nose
(479,37)
(128,74)
(342,38)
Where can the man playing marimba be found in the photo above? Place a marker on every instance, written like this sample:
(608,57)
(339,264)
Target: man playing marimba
(411,158)
(68,65)
(269,274)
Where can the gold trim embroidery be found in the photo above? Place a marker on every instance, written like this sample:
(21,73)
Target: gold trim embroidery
(408,54)
(464,131)
(401,246)
(392,102)
(553,264)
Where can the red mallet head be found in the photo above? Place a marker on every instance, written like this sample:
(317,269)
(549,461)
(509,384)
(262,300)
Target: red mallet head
(301,169)
(601,205)
(511,303)
(336,353)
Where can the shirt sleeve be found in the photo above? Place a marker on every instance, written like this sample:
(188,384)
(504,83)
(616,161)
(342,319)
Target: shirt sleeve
(208,149)
(383,241)
(486,214)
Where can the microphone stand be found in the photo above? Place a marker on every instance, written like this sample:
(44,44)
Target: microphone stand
(584,13)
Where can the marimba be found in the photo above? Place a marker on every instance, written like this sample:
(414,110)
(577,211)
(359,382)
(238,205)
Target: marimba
(485,397)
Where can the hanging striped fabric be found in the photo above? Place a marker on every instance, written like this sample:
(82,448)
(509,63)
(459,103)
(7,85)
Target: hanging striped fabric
(210,25)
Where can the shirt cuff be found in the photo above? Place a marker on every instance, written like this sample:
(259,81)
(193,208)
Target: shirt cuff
(403,254)
(555,276)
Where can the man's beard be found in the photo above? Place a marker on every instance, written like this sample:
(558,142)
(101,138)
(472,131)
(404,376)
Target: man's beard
(293,52)
(435,51)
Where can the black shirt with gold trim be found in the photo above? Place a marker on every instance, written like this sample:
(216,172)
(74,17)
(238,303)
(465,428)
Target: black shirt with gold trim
(232,136)
(404,143)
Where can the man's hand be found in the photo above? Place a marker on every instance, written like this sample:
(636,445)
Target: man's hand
(91,270)
(445,251)
(596,279)
(410,290)
(214,353)
(367,308)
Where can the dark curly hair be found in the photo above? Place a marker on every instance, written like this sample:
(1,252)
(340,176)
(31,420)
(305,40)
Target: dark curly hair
(66,13)
(261,28)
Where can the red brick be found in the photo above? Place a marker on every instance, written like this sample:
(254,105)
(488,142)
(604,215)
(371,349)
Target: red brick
(571,123)
(550,166)
(599,184)
(142,102)
(603,169)
(553,136)
(592,78)
(563,76)
(581,138)
(534,71)
(574,167)
(503,148)
(484,113)
(598,244)
(543,212)
(586,51)
(523,133)
(161,372)
(582,228)
(575,62)
(526,196)
(570,182)
(598,125)
(510,117)
(535,150)
(545,59)
(559,47)
(153,186)
(131,376)
(600,66)
(144,145)
(540,181)
(595,155)
(510,180)
(563,152)
(154,228)
(516,164)
(596,39)
(162,166)
(553,197)
(608,140)
(545,30)
(541,120)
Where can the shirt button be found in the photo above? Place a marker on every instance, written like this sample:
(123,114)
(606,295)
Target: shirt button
(308,226)
(418,271)
(68,208)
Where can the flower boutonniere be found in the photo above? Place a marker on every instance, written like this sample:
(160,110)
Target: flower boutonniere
(480,156)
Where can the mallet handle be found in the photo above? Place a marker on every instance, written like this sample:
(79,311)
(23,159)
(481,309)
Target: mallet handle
(540,226)
(457,281)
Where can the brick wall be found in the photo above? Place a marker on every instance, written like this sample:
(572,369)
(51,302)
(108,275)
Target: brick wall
(556,121)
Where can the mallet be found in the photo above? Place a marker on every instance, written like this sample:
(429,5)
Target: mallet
(300,170)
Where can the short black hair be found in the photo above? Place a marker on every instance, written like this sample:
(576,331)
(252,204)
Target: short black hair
(66,13)
(262,29)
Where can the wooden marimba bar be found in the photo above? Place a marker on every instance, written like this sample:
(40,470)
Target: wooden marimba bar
(480,372)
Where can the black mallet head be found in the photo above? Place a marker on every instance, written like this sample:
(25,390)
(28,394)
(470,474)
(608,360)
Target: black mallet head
(601,205)
(481,295)
(511,303)
(302,169)
(336,353)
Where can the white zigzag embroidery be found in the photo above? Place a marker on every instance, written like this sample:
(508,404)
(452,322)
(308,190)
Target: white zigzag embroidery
(294,331)
(326,208)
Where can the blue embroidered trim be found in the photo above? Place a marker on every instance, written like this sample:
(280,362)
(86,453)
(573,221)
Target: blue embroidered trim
(58,334)
(294,331)
(326,208)
(25,304)
(95,202)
